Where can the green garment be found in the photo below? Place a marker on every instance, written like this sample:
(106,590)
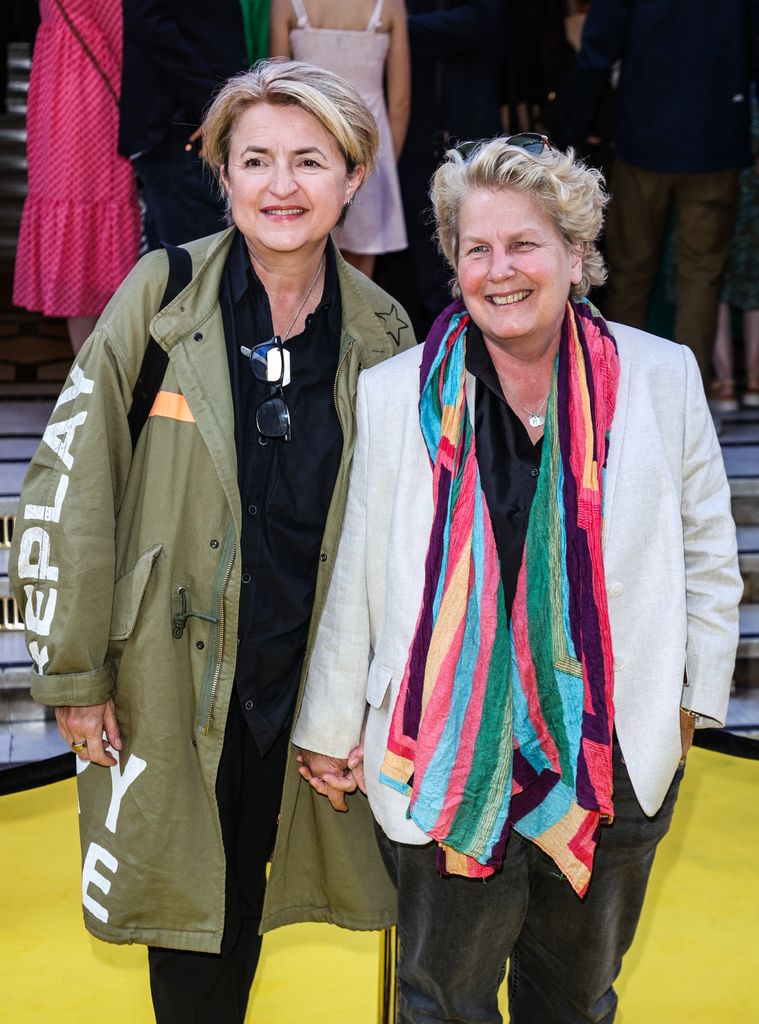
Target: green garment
(255,20)
(110,549)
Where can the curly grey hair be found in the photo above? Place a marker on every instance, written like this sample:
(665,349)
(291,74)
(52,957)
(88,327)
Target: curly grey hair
(572,194)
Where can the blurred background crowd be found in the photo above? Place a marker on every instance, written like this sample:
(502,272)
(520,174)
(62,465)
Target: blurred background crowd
(660,94)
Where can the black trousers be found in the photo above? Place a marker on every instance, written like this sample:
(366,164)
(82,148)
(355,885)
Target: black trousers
(213,988)
(180,196)
(456,934)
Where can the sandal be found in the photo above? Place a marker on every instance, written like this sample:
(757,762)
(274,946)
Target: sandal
(722,397)
(750,397)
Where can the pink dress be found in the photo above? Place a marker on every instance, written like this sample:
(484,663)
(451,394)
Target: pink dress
(80,229)
(375,222)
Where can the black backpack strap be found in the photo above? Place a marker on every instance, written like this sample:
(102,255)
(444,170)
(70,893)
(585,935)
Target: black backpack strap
(155,360)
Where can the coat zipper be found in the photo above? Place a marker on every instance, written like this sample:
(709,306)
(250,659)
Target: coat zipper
(342,359)
(229,546)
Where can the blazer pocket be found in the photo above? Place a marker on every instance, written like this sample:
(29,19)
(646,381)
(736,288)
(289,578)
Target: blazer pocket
(377,684)
(128,594)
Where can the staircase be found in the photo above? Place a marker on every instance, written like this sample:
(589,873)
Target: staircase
(34,361)
(13,149)
(739,437)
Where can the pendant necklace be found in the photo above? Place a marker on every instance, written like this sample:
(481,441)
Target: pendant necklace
(305,299)
(536,418)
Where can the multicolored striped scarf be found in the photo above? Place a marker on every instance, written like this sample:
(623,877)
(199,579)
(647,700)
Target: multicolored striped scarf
(497,725)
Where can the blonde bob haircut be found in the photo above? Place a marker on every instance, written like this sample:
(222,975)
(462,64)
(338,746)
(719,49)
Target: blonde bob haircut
(572,195)
(334,103)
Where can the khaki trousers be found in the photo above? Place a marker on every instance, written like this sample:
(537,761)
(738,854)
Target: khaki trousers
(705,206)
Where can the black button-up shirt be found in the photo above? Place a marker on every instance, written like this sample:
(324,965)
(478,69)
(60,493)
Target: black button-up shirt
(285,489)
(508,461)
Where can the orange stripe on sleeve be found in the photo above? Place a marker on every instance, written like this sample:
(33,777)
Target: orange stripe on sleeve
(172,407)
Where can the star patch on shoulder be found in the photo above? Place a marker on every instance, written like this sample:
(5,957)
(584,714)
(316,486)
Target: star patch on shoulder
(393,324)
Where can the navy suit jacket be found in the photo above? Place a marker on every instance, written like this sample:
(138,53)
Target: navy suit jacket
(176,54)
(683,93)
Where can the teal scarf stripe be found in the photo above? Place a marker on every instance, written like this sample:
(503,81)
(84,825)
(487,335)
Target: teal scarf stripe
(542,553)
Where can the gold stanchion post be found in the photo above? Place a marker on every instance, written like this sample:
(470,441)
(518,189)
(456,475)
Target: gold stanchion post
(388,981)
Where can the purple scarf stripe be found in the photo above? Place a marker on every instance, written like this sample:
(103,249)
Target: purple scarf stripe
(434,340)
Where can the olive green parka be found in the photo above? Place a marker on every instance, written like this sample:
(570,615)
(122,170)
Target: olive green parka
(127,570)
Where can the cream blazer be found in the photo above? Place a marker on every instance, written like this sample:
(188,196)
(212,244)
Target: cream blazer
(670,562)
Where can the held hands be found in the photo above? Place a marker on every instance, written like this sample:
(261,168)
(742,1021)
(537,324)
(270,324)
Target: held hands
(333,777)
(86,725)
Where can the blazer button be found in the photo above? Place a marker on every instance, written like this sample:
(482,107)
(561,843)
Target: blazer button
(248,705)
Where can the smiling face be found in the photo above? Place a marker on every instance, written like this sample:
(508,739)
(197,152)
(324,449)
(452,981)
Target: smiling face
(515,269)
(287,180)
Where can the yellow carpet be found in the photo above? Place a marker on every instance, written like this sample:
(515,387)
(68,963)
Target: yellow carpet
(695,959)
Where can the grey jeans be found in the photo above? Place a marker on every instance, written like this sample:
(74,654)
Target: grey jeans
(456,934)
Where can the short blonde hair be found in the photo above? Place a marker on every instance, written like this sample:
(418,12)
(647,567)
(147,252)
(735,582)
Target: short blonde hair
(572,194)
(334,103)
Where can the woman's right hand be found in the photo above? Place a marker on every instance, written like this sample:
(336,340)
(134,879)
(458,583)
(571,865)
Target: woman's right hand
(329,776)
(87,724)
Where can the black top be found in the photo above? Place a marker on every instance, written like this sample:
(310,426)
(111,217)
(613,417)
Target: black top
(285,489)
(508,461)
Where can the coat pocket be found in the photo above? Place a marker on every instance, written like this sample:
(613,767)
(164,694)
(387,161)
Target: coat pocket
(377,684)
(128,594)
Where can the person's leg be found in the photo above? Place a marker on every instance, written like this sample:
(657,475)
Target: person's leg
(180,196)
(570,950)
(751,357)
(722,356)
(706,205)
(634,233)
(80,328)
(362,261)
(455,934)
(204,988)
(722,391)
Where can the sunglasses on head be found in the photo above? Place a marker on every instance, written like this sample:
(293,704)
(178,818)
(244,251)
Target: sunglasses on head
(530,142)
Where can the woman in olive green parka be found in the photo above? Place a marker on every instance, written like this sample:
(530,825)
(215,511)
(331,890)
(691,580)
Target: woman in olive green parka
(110,547)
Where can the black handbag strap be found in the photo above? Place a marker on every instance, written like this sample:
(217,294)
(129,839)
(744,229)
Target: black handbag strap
(155,360)
(95,62)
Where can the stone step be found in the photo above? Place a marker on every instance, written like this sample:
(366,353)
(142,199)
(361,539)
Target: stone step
(747,663)
(748,559)
(12,139)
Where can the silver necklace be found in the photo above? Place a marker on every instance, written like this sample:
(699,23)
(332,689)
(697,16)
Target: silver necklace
(536,418)
(305,298)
